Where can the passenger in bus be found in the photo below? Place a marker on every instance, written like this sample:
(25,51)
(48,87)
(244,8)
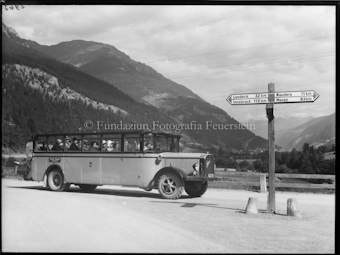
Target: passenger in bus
(43,146)
(86,146)
(159,145)
(137,145)
(94,146)
(145,146)
(109,145)
(127,146)
(116,147)
(172,145)
(67,143)
(75,145)
(104,146)
(58,145)
(149,146)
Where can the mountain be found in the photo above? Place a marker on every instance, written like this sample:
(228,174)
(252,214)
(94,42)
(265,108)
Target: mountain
(282,126)
(52,89)
(43,95)
(109,64)
(317,131)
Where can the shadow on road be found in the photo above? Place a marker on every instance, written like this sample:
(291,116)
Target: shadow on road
(140,194)
(101,191)
(191,205)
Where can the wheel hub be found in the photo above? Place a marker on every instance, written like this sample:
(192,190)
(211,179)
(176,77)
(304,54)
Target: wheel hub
(169,186)
(56,180)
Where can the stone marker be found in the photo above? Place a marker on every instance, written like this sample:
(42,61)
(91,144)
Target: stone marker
(252,206)
(292,208)
(263,183)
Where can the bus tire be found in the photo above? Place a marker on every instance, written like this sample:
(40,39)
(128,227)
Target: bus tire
(195,189)
(87,187)
(170,186)
(67,186)
(55,180)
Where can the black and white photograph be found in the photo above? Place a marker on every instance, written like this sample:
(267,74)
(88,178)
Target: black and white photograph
(168,128)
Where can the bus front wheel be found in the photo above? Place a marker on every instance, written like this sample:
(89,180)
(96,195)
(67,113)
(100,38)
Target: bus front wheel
(170,186)
(55,180)
(195,189)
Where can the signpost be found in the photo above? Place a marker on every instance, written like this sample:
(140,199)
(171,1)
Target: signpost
(271,151)
(270,98)
(304,96)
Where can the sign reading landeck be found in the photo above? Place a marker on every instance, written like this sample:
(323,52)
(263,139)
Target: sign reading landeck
(273,98)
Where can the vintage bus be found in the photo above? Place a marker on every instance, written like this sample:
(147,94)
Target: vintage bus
(144,159)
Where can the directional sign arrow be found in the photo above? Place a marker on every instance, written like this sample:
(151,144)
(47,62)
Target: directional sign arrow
(275,98)
(229,99)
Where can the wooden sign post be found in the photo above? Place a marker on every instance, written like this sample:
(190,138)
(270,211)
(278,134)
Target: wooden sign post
(270,98)
(271,150)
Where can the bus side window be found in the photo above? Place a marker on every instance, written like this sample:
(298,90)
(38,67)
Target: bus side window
(132,143)
(51,142)
(91,143)
(56,144)
(43,146)
(172,144)
(40,144)
(111,143)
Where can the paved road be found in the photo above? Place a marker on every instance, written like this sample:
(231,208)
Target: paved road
(114,219)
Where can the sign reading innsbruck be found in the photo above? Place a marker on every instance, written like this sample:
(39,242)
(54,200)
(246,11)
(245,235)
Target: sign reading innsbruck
(304,96)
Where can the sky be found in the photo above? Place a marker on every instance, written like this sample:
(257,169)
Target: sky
(214,50)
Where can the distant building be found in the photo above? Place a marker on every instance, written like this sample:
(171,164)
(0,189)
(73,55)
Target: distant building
(248,160)
(230,170)
(226,169)
(280,150)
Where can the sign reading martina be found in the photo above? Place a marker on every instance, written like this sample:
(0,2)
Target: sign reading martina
(193,125)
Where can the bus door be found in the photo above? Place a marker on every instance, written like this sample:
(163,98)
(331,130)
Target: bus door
(91,159)
(39,164)
(72,159)
(131,160)
(111,160)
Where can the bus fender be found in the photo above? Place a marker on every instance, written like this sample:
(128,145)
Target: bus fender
(53,167)
(176,170)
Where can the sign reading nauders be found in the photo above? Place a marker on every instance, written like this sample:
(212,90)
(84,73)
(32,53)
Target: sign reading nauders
(276,98)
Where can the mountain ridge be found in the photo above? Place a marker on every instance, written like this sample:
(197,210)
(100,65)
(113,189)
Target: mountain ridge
(17,51)
(106,62)
(317,131)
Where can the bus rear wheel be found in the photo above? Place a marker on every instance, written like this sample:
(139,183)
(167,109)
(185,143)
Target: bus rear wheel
(87,187)
(170,186)
(55,180)
(195,189)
